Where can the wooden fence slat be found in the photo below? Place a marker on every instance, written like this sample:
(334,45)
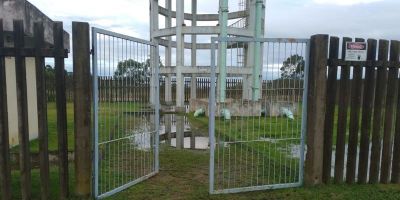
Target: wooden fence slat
(379,107)
(22,102)
(392,83)
(5,169)
(342,117)
(396,147)
(61,111)
(82,102)
(330,109)
(315,109)
(367,109)
(355,106)
(42,113)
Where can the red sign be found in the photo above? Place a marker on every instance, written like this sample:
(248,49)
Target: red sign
(356,46)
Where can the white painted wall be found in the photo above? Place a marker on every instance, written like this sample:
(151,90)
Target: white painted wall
(12,99)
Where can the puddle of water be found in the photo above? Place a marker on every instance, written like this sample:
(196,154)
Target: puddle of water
(141,141)
(141,137)
(201,143)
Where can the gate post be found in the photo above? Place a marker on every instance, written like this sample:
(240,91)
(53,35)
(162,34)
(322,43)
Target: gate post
(82,104)
(316,109)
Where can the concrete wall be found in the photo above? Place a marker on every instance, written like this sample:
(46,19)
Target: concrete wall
(12,99)
(23,10)
(11,10)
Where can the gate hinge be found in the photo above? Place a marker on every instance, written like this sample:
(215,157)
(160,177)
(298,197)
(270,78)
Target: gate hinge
(91,51)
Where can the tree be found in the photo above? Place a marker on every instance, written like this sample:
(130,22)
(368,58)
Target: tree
(293,67)
(139,71)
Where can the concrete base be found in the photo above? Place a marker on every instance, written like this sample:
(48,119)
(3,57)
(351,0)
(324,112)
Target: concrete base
(274,108)
(237,108)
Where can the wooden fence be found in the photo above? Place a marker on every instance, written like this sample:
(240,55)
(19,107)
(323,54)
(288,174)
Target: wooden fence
(361,127)
(39,51)
(110,88)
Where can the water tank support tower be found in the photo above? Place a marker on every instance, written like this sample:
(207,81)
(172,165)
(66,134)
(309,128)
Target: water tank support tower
(246,21)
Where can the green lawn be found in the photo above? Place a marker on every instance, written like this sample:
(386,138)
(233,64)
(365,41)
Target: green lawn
(184,174)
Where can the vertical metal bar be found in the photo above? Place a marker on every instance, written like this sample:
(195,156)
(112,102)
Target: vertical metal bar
(304,113)
(157,107)
(95,116)
(211,108)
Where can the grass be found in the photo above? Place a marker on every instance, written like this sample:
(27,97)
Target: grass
(184,174)
(52,129)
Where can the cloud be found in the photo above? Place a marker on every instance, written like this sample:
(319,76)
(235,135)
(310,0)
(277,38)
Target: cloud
(345,2)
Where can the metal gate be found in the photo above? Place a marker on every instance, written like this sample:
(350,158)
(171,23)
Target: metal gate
(126,111)
(261,146)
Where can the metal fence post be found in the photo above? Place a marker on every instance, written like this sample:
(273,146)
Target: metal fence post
(316,108)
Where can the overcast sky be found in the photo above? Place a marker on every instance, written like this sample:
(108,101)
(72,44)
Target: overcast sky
(284,18)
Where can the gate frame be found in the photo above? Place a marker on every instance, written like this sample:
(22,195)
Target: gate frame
(212,108)
(155,71)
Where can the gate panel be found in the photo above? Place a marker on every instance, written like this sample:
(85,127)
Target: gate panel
(262,145)
(125,111)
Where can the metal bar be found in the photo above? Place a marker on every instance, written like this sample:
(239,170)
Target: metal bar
(157,108)
(211,108)
(304,114)
(262,40)
(95,115)
(257,188)
(121,188)
(121,36)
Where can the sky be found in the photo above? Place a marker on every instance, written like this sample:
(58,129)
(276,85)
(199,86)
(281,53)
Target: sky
(378,19)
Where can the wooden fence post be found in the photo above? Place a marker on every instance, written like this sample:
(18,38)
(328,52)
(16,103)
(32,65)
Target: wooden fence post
(61,110)
(381,84)
(367,109)
(42,112)
(22,99)
(396,148)
(330,109)
(355,108)
(5,170)
(82,105)
(316,109)
(344,91)
(392,83)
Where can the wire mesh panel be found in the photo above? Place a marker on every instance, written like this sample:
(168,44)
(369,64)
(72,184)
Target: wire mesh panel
(257,143)
(125,111)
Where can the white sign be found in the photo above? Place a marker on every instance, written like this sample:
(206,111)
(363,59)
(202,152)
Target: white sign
(356,51)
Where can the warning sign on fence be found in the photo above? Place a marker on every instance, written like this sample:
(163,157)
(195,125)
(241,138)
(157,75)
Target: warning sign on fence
(356,51)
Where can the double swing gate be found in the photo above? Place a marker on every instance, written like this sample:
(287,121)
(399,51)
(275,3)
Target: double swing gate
(261,146)
(126,111)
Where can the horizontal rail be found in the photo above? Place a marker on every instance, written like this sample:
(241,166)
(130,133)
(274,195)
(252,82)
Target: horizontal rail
(125,138)
(32,52)
(265,140)
(121,36)
(257,188)
(119,189)
(248,39)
